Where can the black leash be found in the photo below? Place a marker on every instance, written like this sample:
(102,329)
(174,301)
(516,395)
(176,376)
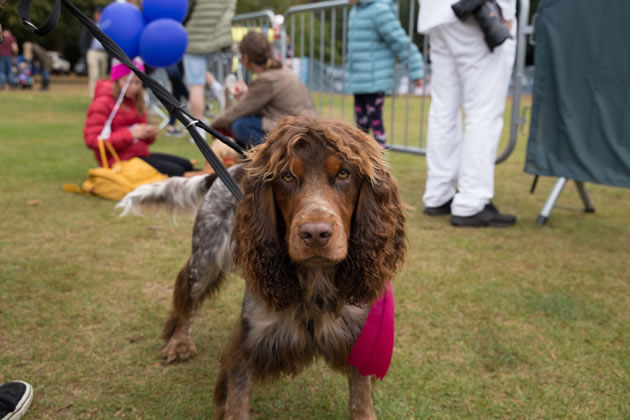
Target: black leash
(49,24)
(164,96)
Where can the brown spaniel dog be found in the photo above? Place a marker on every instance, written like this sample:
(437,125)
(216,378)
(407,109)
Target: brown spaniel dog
(317,235)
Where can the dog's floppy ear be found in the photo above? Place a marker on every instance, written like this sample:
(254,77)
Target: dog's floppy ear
(259,248)
(377,241)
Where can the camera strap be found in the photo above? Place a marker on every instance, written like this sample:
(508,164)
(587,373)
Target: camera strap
(171,104)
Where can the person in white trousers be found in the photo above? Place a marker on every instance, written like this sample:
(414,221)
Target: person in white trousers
(465,75)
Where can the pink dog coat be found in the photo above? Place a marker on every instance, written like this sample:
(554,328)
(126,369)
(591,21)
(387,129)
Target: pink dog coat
(372,353)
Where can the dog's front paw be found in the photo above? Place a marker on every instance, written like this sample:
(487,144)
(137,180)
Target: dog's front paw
(178,350)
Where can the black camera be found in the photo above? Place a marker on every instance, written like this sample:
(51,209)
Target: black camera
(486,15)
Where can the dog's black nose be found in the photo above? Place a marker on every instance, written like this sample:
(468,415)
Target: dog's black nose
(315,234)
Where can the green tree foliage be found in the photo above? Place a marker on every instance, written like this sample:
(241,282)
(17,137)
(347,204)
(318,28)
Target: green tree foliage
(64,38)
(278,6)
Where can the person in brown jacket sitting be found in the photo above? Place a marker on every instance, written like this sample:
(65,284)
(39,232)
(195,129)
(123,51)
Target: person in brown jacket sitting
(275,93)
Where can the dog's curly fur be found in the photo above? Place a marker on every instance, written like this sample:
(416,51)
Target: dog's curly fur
(318,233)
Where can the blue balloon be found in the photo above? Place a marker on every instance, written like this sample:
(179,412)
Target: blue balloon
(163,42)
(164,9)
(123,23)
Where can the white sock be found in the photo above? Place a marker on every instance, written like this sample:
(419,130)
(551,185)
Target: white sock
(217,91)
(201,132)
(216,87)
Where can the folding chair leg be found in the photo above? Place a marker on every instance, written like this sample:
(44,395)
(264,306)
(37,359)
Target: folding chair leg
(551,201)
(586,199)
(163,115)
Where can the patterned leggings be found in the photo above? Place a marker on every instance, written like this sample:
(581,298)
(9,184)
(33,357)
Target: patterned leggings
(368,111)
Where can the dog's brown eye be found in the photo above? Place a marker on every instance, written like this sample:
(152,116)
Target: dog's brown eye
(288,177)
(343,174)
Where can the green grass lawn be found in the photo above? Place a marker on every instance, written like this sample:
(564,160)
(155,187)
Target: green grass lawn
(526,322)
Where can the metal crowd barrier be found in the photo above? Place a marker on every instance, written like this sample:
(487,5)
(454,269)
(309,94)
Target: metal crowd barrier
(324,71)
(260,19)
(313,41)
(241,24)
(517,120)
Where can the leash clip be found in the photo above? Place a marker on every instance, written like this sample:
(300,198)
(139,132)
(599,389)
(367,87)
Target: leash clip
(29,25)
(190,124)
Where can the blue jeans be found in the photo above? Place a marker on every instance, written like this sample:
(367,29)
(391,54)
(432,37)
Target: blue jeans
(196,65)
(6,74)
(247,131)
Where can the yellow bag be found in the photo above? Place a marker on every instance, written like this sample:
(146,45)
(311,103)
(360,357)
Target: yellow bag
(113,183)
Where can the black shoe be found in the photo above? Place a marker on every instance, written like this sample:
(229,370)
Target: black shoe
(489,216)
(15,398)
(442,210)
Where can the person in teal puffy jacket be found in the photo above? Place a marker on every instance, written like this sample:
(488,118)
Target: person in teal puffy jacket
(375,39)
